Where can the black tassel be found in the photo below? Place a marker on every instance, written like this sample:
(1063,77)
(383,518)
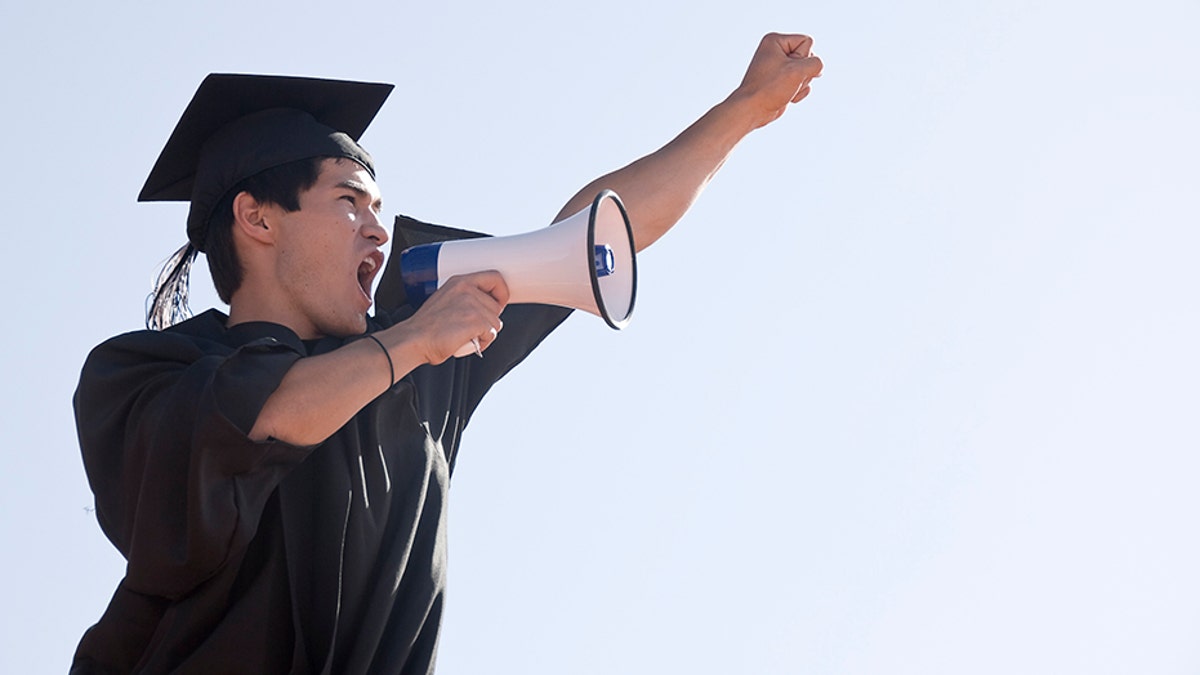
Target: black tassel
(167,304)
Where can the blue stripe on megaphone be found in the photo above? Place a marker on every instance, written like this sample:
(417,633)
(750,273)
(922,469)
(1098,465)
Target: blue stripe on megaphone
(419,270)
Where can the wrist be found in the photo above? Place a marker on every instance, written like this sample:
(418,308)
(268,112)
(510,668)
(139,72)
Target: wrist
(747,110)
(405,347)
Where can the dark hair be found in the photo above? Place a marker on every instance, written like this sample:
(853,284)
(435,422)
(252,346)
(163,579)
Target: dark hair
(281,185)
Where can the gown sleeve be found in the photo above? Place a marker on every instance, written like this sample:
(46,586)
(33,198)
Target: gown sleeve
(163,419)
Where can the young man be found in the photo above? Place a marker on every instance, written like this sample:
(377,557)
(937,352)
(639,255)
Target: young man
(277,478)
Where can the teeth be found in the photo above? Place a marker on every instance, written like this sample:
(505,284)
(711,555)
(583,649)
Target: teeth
(369,264)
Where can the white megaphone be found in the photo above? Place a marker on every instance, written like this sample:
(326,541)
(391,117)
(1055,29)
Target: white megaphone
(585,261)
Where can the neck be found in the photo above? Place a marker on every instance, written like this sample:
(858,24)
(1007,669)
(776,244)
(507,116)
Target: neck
(247,306)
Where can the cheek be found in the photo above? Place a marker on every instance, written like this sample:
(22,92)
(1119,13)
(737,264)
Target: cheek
(303,266)
(313,257)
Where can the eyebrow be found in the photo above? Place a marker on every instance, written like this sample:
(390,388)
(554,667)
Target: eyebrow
(361,190)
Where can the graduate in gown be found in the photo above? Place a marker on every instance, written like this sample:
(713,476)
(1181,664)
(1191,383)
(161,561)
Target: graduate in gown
(277,476)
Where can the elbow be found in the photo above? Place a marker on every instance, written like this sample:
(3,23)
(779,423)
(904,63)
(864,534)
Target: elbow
(270,427)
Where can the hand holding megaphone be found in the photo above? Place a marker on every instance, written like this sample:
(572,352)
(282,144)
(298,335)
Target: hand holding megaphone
(585,261)
(462,317)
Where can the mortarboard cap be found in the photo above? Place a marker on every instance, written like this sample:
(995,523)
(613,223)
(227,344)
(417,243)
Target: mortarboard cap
(239,125)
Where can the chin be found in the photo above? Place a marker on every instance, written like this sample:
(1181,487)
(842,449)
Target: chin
(346,327)
(356,327)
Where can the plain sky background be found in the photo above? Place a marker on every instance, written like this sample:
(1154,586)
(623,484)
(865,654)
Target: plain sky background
(912,389)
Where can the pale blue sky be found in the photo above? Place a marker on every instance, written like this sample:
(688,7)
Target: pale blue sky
(912,389)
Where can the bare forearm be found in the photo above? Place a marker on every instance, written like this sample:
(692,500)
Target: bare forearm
(321,393)
(660,187)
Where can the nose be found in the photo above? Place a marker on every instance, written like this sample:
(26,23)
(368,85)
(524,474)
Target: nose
(374,230)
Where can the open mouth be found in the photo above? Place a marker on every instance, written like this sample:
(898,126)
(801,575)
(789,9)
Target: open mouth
(367,270)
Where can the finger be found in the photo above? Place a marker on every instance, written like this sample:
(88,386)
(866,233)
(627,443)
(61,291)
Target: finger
(795,45)
(488,310)
(461,305)
(486,289)
(801,94)
(483,315)
(492,283)
(486,339)
(809,66)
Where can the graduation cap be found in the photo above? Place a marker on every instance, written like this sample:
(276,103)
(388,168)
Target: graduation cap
(237,126)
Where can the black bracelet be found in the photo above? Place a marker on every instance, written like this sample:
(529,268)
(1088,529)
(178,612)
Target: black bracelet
(391,368)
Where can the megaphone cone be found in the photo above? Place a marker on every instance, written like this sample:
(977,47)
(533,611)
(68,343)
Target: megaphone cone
(585,261)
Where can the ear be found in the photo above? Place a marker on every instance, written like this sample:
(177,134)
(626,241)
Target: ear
(250,218)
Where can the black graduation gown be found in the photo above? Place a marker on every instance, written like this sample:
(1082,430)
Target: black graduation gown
(263,557)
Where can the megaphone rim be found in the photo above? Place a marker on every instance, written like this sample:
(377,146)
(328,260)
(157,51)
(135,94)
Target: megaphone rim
(615,323)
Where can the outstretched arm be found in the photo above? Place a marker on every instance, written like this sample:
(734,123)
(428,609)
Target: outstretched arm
(659,188)
(319,394)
